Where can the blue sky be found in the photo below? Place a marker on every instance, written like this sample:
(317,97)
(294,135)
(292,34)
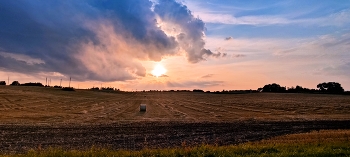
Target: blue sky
(273,19)
(301,40)
(206,44)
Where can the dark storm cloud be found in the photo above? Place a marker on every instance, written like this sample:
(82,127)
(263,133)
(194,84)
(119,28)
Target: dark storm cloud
(191,40)
(93,39)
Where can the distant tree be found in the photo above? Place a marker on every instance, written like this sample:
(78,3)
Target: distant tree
(298,89)
(95,88)
(331,87)
(2,83)
(198,90)
(32,84)
(68,89)
(107,88)
(15,83)
(274,87)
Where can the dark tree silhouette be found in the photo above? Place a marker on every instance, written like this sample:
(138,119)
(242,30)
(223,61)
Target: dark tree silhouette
(2,83)
(299,89)
(95,88)
(15,83)
(33,84)
(198,90)
(68,89)
(331,87)
(274,87)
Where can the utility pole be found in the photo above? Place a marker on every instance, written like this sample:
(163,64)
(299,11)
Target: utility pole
(70,79)
(8,79)
(46,82)
(61,83)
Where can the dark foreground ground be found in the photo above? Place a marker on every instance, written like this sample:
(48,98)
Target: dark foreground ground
(138,135)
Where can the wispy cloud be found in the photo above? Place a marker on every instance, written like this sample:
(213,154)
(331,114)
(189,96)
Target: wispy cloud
(337,19)
(21,57)
(228,38)
(245,20)
(194,84)
(338,70)
(208,76)
(238,55)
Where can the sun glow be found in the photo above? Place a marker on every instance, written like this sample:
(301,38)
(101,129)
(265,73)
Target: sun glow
(158,70)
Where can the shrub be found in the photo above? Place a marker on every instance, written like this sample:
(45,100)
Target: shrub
(33,84)
(15,83)
(68,89)
(198,90)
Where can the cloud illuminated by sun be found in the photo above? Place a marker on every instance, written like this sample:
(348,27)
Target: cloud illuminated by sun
(158,70)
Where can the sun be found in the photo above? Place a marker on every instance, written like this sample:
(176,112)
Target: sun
(158,70)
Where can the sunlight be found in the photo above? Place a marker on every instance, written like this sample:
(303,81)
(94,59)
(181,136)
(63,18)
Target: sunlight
(158,70)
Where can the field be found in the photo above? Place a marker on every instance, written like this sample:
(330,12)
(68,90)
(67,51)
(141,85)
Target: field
(315,143)
(32,117)
(32,105)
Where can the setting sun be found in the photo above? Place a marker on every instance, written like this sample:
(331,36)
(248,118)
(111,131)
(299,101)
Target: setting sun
(158,70)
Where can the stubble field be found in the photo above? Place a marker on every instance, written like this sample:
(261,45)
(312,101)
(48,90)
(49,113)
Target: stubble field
(32,117)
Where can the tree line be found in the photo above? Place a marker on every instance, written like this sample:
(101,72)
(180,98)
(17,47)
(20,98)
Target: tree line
(16,83)
(325,87)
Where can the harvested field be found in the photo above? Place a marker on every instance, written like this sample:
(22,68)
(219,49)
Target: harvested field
(32,117)
(33,105)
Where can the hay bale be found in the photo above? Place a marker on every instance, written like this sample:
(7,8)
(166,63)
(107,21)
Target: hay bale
(143,108)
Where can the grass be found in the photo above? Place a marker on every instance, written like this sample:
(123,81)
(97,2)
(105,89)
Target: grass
(316,143)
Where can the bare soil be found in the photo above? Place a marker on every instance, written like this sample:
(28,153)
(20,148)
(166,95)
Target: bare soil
(37,118)
(135,136)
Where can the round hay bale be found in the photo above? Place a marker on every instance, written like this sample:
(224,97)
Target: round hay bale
(143,108)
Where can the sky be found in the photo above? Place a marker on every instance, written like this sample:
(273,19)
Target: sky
(200,44)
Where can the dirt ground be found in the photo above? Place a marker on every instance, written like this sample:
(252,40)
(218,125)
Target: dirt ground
(34,118)
(134,136)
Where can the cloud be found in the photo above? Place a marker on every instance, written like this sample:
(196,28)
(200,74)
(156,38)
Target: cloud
(188,30)
(24,58)
(207,76)
(340,18)
(342,70)
(96,40)
(194,84)
(228,38)
(244,20)
(163,75)
(238,56)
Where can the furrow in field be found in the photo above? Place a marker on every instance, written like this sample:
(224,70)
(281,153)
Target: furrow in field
(191,113)
(178,115)
(212,112)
